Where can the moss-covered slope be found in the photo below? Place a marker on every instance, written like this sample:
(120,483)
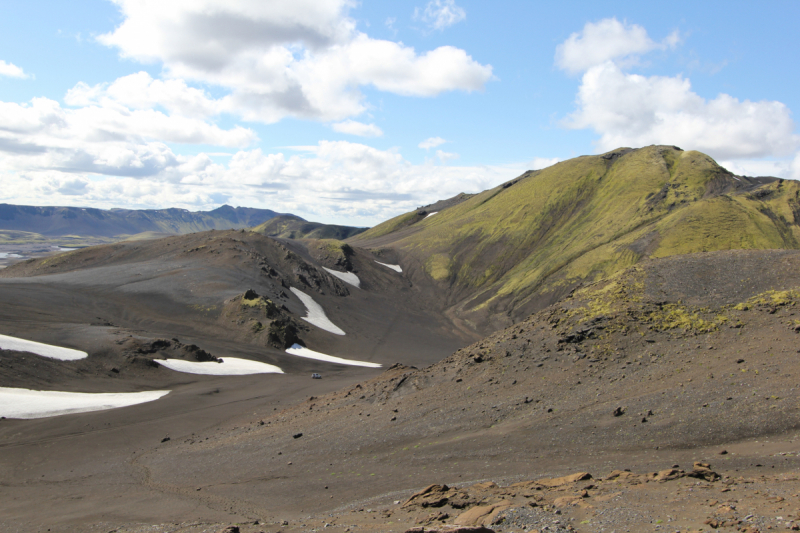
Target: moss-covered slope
(502,251)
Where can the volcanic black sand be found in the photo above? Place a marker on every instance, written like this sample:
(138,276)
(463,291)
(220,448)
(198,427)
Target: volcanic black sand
(658,370)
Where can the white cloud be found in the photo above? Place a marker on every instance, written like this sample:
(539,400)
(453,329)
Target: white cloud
(538,163)
(104,138)
(300,58)
(795,168)
(141,91)
(431,142)
(788,168)
(351,127)
(341,182)
(11,70)
(440,14)
(606,40)
(444,157)
(632,110)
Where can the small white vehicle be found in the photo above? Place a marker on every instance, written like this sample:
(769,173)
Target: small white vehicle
(316,376)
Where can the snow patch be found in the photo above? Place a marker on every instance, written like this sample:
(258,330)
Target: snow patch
(230,366)
(45,350)
(430,215)
(302,351)
(396,268)
(316,315)
(347,277)
(27,404)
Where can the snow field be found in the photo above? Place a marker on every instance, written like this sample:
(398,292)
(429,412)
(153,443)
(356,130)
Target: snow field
(396,268)
(45,350)
(27,404)
(347,277)
(230,366)
(302,351)
(316,315)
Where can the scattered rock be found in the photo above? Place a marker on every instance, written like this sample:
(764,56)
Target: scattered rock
(450,529)
(619,411)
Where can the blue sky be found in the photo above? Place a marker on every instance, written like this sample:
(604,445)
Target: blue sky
(351,112)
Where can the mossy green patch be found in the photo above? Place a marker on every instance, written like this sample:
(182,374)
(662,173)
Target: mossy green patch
(609,296)
(771,298)
(672,316)
(438,266)
(269,307)
(391,225)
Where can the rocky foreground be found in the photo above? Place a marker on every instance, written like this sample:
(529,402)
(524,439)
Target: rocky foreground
(674,499)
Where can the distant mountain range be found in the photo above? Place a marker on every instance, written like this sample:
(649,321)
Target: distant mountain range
(88,222)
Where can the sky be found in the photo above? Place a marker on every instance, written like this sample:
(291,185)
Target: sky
(352,112)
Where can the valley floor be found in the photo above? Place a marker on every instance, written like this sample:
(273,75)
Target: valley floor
(675,400)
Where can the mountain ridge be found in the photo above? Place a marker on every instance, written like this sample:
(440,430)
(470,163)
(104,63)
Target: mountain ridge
(293,227)
(59,221)
(518,247)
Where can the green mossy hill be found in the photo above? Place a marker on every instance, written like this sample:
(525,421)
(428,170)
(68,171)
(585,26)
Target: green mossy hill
(586,218)
(292,227)
(409,219)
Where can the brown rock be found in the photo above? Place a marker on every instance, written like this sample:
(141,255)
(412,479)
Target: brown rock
(668,475)
(481,515)
(621,475)
(565,501)
(565,480)
(433,517)
(703,470)
(430,496)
